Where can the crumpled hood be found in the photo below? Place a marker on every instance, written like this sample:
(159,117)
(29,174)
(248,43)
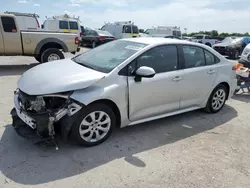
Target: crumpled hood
(57,76)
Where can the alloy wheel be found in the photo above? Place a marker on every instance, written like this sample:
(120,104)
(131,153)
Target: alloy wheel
(218,99)
(95,126)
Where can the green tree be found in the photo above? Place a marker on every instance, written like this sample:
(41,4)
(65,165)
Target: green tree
(214,33)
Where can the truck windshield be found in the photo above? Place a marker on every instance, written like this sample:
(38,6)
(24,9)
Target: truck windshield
(108,56)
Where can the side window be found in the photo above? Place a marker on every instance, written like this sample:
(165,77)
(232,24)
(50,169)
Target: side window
(73,25)
(208,37)
(9,24)
(127,29)
(193,56)
(210,58)
(161,59)
(63,25)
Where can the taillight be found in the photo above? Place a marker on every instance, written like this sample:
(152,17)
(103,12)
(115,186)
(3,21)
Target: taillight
(217,41)
(81,34)
(114,38)
(76,40)
(237,66)
(101,38)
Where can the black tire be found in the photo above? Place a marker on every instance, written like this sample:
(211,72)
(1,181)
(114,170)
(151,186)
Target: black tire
(236,55)
(51,51)
(93,44)
(209,107)
(38,58)
(84,113)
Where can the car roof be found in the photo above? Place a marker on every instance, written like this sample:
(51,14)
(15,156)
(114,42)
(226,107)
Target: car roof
(156,40)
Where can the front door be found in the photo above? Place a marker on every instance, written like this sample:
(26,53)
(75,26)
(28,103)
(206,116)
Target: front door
(160,94)
(11,36)
(199,76)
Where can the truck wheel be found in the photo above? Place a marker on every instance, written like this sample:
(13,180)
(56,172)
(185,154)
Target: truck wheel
(93,44)
(38,58)
(51,54)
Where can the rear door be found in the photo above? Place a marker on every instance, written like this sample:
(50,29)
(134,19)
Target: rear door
(11,36)
(127,31)
(200,72)
(135,31)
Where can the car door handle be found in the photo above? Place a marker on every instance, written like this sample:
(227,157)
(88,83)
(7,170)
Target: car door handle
(211,71)
(177,79)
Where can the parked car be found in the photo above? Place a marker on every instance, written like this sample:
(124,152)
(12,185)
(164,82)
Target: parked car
(245,57)
(44,46)
(121,30)
(63,23)
(94,38)
(26,21)
(205,39)
(123,82)
(230,46)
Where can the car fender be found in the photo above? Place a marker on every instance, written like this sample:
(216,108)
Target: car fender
(117,93)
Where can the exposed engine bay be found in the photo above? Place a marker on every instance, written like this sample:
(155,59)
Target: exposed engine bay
(43,113)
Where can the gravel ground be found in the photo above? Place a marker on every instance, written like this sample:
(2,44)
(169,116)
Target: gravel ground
(192,150)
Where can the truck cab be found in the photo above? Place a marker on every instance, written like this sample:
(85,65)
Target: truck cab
(10,37)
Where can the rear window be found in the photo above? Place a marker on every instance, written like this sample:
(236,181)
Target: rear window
(127,29)
(63,25)
(8,24)
(135,29)
(73,25)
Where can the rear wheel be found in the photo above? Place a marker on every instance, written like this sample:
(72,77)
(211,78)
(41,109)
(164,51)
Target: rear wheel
(93,125)
(236,55)
(93,44)
(217,99)
(38,58)
(51,54)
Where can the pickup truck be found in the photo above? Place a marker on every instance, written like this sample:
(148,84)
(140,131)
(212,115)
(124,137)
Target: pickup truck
(44,46)
(205,39)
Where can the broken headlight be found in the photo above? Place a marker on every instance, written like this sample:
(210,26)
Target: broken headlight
(45,103)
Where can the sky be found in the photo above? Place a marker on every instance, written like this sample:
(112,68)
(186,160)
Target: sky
(194,15)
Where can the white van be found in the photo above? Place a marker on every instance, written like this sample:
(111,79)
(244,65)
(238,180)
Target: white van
(122,29)
(64,23)
(26,21)
(164,31)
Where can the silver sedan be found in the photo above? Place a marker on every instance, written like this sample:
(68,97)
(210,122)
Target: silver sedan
(124,82)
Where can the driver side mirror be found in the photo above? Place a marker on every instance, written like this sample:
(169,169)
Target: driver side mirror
(146,72)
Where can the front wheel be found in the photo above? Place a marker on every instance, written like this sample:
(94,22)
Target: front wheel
(51,54)
(217,99)
(93,125)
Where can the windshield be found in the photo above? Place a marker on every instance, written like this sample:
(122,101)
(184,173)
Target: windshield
(100,32)
(108,56)
(227,40)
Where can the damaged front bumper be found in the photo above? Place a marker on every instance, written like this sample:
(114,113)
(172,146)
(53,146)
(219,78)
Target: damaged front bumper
(40,124)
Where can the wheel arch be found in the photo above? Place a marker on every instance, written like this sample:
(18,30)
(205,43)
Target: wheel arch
(50,43)
(227,86)
(113,106)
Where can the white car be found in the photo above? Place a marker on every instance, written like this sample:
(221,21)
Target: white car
(245,56)
(123,82)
